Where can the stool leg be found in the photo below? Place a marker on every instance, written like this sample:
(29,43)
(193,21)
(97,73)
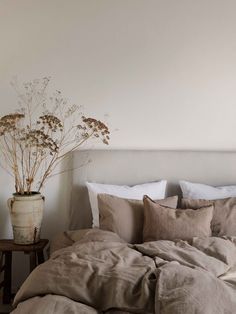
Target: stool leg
(32,261)
(7,278)
(40,257)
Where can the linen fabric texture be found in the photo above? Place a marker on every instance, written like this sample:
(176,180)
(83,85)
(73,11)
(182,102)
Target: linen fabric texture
(203,191)
(125,216)
(156,190)
(164,223)
(224,214)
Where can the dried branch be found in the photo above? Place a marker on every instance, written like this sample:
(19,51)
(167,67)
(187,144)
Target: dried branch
(37,137)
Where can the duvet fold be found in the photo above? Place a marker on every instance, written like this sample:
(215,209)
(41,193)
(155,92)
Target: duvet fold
(102,274)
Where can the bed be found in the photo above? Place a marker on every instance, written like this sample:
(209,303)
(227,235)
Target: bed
(96,271)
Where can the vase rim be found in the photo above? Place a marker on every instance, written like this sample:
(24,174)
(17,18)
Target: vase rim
(27,194)
(28,197)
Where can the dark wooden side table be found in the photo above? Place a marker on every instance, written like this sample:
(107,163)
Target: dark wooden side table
(36,255)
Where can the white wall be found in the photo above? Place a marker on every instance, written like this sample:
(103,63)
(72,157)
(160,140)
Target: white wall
(163,70)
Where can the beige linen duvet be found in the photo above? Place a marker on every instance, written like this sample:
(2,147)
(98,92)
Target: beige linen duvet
(102,274)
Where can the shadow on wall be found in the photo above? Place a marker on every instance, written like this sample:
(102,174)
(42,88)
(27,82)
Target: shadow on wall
(80,217)
(5,221)
(57,192)
(7,188)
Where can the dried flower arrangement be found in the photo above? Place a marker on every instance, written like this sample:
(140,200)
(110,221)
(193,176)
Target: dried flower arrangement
(37,137)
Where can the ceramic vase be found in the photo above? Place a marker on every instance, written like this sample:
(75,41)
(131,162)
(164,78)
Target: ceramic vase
(26,213)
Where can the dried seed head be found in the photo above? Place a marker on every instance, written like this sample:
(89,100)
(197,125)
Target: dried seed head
(98,128)
(9,122)
(53,123)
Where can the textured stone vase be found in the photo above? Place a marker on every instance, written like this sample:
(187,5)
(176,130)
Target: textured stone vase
(26,213)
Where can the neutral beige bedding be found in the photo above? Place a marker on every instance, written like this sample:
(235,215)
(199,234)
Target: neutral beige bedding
(125,216)
(162,222)
(65,239)
(224,214)
(102,274)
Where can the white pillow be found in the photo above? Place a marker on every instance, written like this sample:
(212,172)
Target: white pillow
(207,192)
(156,190)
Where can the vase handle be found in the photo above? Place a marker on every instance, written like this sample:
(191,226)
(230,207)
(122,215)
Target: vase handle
(10,201)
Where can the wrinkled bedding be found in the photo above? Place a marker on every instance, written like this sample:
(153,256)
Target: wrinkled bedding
(100,273)
(66,238)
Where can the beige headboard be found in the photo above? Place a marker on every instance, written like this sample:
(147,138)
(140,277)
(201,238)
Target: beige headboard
(138,166)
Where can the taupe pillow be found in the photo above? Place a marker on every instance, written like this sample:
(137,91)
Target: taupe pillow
(224,214)
(125,216)
(164,223)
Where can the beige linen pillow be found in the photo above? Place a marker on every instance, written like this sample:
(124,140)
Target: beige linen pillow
(125,216)
(164,223)
(224,214)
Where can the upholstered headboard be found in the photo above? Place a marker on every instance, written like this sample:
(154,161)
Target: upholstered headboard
(138,166)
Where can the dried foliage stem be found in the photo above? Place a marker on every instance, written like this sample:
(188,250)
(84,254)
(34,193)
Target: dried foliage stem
(41,133)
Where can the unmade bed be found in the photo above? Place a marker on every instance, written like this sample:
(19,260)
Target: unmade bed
(183,262)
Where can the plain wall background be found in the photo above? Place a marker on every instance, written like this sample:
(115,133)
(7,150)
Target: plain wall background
(164,71)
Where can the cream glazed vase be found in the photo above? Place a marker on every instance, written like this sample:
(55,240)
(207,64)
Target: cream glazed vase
(26,213)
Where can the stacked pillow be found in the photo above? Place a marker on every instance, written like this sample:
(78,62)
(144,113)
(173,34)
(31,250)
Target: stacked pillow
(223,199)
(156,190)
(207,192)
(164,223)
(205,210)
(125,216)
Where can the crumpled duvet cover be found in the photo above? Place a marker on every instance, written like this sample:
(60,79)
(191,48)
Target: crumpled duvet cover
(102,274)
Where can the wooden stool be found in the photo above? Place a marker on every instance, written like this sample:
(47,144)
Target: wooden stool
(35,252)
